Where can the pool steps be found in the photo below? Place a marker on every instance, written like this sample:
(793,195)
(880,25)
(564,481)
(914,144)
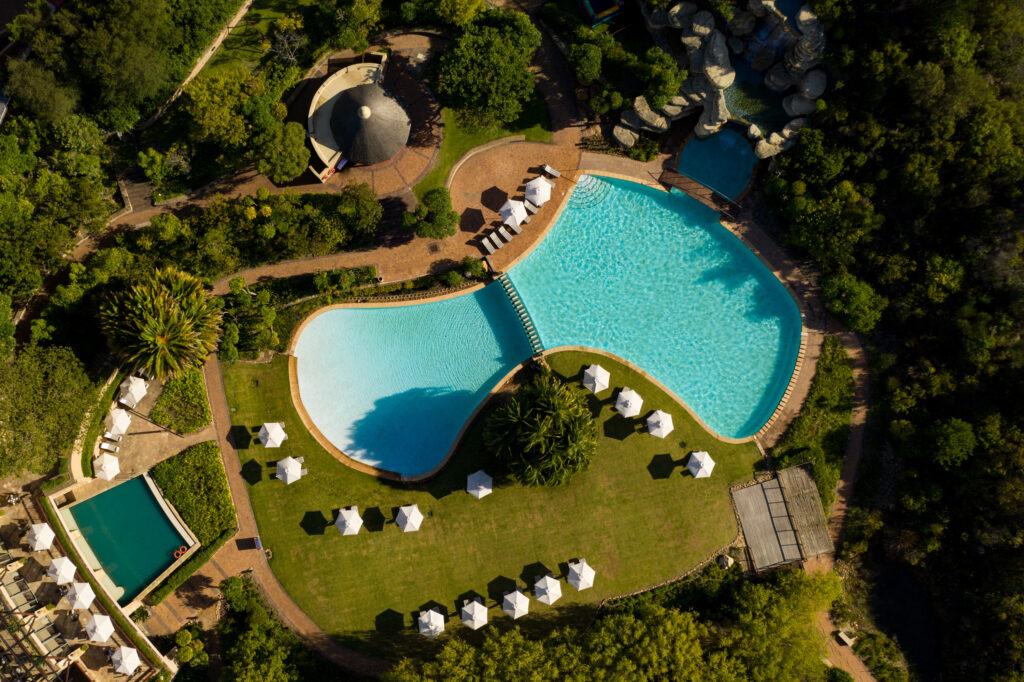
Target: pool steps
(589,191)
(522,313)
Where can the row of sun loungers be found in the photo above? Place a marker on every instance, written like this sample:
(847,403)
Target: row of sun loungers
(499,237)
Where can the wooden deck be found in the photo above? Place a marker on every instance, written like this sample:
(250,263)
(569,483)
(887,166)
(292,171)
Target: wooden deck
(806,512)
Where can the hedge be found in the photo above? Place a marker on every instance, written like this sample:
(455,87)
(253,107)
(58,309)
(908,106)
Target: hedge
(185,571)
(182,406)
(195,483)
(99,414)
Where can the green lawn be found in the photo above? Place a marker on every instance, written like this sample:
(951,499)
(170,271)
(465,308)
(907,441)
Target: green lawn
(242,46)
(635,515)
(457,139)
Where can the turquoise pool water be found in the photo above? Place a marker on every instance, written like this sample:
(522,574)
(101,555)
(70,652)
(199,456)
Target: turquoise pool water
(722,162)
(129,533)
(649,276)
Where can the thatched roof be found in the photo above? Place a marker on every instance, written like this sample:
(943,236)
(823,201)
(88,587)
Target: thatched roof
(369,125)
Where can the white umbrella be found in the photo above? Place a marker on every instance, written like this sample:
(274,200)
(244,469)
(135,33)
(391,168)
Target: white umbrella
(700,464)
(289,470)
(659,424)
(479,484)
(538,191)
(120,421)
(349,522)
(431,623)
(99,628)
(516,604)
(409,518)
(596,378)
(106,467)
(40,537)
(628,403)
(133,389)
(81,595)
(272,434)
(125,660)
(513,212)
(547,590)
(581,575)
(62,570)
(474,615)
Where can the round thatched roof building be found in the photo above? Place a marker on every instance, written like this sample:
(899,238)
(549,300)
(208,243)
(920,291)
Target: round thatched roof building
(368,124)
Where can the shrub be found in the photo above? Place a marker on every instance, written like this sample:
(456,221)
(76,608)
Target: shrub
(452,278)
(473,267)
(183,638)
(608,99)
(183,406)
(585,60)
(140,615)
(185,653)
(194,482)
(434,217)
(644,150)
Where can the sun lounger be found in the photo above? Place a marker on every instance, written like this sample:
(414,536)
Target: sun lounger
(109,448)
(515,228)
(498,244)
(487,245)
(110,436)
(305,472)
(127,402)
(504,233)
(551,171)
(526,219)
(530,206)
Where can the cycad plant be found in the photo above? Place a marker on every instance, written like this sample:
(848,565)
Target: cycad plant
(544,433)
(164,325)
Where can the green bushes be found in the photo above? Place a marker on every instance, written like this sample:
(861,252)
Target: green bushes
(585,61)
(434,218)
(194,482)
(191,565)
(645,149)
(183,406)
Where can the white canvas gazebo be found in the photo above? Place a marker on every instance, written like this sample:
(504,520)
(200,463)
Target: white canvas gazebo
(596,379)
(272,434)
(349,522)
(538,191)
(700,464)
(289,470)
(431,623)
(581,575)
(628,403)
(120,420)
(106,466)
(474,615)
(133,389)
(513,212)
(80,596)
(409,518)
(99,628)
(62,570)
(547,590)
(40,537)
(659,424)
(516,604)
(125,660)
(479,484)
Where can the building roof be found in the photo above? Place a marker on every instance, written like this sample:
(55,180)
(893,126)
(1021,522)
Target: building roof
(369,125)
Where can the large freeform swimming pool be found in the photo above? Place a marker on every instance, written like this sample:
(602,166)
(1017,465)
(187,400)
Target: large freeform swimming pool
(649,276)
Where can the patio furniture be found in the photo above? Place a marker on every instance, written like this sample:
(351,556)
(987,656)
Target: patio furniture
(487,245)
(498,244)
(504,233)
(110,448)
(304,472)
(551,171)
(530,207)
(110,436)
(272,434)
(516,229)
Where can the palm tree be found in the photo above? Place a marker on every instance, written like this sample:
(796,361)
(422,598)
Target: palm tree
(164,325)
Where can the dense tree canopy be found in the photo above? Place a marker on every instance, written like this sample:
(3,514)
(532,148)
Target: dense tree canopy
(434,217)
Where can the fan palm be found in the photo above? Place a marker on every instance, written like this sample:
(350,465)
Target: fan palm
(164,325)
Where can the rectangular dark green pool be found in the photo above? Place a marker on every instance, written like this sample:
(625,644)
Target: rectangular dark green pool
(130,534)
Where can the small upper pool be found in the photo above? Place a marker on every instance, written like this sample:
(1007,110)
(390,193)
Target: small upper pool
(130,534)
(722,162)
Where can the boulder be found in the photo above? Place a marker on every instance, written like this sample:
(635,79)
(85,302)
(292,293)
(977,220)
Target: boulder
(658,19)
(714,116)
(812,85)
(754,132)
(703,23)
(762,8)
(678,107)
(776,138)
(735,45)
(717,65)
(695,88)
(624,136)
(679,14)
(798,105)
(765,149)
(742,23)
(697,61)
(779,78)
(691,42)
(807,21)
(642,117)
(725,561)
(790,130)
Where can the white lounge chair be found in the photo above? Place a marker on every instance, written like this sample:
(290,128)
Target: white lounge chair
(487,245)
(498,244)
(109,448)
(110,436)
(551,171)
(515,228)
(304,472)
(504,233)
(530,206)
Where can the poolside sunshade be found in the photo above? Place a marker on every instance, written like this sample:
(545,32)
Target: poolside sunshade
(516,604)
(596,378)
(581,575)
(120,420)
(431,623)
(547,590)
(272,434)
(538,191)
(62,570)
(479,484)
(659,424)
(40,537)
(99,629)
(409,518)
(289,469)
(628,403)
(513,212)
(474,615)
(349,522)
(107,466)
(80,596)
(125,660)
(700,464)
(133,389)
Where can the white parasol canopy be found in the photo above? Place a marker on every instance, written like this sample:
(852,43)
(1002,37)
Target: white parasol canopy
(700,464)
(272,434)
(40,537)
(596,378)
(474,615)
(120,420)
(133,389)
(628,403)
(659,424)
(581,575)
(106,467)
(125,660)
(289,470)
(349,522)
(99,628)
(513,212)
(431,623)
(81,595)
(479,484)
(62,570)
(409,518)
(538,191)
(547,590)
(516,604)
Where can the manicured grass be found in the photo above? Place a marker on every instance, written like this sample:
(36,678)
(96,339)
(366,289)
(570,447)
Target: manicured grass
(457,139)
(635,515)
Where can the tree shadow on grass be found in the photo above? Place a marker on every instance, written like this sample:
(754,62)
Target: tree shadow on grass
(314,523)
(497,588)
(389,621)
(252,472)
(239,437)
(619,427)
(662,466)
(373,520)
